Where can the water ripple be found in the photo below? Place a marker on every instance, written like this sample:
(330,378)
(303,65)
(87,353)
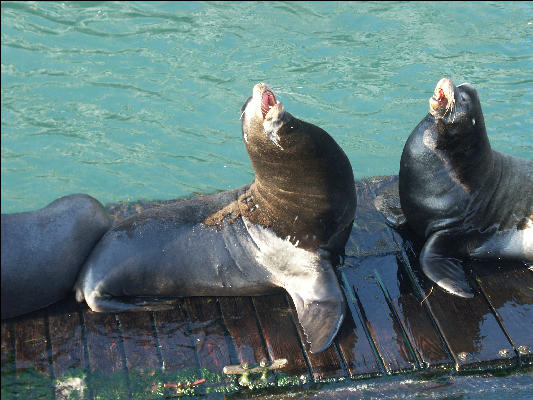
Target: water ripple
(127,100)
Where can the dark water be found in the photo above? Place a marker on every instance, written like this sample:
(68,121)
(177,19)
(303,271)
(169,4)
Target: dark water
(518,386)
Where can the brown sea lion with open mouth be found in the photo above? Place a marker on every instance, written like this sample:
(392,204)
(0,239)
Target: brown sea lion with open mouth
(284,230)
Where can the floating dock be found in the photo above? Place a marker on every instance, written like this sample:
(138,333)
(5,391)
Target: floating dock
(397,321)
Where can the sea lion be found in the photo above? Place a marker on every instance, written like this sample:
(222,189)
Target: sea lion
(284,230)
(43,251)
(465,199)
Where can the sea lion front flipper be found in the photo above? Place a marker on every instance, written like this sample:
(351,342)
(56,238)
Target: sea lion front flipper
(445,271)
(320,306)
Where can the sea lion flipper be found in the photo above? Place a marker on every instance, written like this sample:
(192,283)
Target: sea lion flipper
(320,320)
(108,303)
(320,307)
(445,271)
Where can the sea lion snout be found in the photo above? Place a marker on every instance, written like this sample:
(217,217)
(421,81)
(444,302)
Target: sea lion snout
(443,99)
(265,101)
(265,112)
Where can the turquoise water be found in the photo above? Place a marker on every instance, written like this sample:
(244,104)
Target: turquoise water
(142,100)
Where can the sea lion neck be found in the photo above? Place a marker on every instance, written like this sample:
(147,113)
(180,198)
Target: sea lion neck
(306,185)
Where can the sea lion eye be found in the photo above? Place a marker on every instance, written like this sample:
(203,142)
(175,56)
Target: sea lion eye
(465,98)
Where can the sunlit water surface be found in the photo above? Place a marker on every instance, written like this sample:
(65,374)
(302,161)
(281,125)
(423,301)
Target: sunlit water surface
(125,101)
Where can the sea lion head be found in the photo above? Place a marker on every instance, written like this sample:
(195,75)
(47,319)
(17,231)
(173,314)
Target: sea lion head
(456,109)
(263,113)
(303,186)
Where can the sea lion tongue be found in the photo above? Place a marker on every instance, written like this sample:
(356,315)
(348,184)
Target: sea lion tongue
(443,100)
(267,101)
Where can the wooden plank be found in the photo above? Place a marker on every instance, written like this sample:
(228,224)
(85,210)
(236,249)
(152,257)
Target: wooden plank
(31,342)
(108,374)
(103,342)
(366,238)
(34,372)
(175,339)
(280,334)
(412,313)
(326,364)
(355,348)
(64,322)
(209,333)
(139,343)
(469,327)
(509,289)
(241,321)
(385,330)
(140,352)
(402,297)
(8,358)
(368,242)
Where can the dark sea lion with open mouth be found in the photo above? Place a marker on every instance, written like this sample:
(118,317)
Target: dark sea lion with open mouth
(44,250)
(285,230)
(467,200)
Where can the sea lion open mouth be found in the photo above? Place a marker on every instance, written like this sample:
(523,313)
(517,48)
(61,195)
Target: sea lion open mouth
(263,108)
(268,100)
(443,100)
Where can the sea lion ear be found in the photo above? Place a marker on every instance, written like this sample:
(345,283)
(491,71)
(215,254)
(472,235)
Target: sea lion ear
(445,271)
(320,308)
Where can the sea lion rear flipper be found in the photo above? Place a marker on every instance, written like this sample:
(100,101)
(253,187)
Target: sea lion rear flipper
(445,271)
(320,307)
